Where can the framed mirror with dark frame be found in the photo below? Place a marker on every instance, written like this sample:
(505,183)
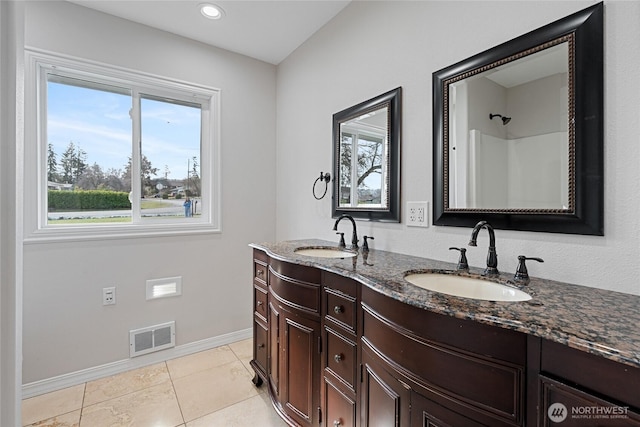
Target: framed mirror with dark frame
(518,132)
(366,159)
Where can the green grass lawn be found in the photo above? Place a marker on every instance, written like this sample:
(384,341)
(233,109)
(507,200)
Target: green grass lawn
(89,220)
(144,204)
(154,204)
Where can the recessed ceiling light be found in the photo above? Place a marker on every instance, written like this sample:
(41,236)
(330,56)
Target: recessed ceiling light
(211,11)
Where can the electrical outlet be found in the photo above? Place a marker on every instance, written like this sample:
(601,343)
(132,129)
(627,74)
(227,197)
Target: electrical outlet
(109,295)
(413,214)
(417,214)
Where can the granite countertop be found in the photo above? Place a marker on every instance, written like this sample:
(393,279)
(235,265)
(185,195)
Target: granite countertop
(601,322)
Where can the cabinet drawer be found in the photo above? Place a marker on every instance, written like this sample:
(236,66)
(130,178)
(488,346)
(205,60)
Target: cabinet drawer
(341,408)
(260,345)
(451,376)
(341,309)
(297,272)
(498,343)
(339,283)
(298,294)
(260,272)
(260,255)
(341,356)
(260,302)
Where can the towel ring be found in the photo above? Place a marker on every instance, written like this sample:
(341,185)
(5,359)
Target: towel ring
(326,177)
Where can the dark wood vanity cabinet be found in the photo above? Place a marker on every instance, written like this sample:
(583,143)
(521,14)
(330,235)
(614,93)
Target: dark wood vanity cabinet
(337,353)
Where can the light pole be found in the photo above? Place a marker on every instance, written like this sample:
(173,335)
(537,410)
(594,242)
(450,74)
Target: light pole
(186,190)
(187,183)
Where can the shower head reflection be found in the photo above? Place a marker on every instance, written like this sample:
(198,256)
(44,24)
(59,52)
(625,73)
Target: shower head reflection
(505,119)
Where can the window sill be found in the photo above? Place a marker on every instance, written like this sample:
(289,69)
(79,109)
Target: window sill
(117,232)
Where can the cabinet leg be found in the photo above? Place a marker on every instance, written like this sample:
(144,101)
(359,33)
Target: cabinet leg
(257,381)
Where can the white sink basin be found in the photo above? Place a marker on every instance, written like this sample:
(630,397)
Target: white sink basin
(326,252)
(466,287)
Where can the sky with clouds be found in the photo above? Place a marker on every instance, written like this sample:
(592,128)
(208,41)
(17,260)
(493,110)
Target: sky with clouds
(98,122)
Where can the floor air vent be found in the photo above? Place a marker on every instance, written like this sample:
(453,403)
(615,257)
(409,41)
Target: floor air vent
(153,338)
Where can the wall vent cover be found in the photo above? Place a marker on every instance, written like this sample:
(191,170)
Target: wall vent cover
(152,338)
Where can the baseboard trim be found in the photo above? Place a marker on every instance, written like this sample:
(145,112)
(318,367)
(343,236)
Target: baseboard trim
(37,388)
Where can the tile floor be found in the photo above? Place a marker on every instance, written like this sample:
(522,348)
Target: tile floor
(207,389)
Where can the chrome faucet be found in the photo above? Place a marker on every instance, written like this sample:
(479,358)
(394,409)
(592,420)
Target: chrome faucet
(354,236)
(492,256)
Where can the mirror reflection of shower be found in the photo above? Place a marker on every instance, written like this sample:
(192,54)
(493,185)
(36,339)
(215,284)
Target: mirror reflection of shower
(505,119)
(525,163)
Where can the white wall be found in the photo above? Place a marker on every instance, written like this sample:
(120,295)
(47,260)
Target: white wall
(372,47)
(486,97)
(66,328)
(488,184)
(11,129)
(536,165)
(531,102)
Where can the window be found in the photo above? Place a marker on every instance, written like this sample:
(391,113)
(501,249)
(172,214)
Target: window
(362,176)
(124,150)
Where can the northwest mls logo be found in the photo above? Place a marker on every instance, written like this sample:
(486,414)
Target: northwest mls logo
(557,412)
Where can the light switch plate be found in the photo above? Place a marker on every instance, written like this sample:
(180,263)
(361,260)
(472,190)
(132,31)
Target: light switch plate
(417,214)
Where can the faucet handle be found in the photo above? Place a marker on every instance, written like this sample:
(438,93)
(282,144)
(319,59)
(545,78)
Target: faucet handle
(365,245)
(522,275)
(342,244)
(462,261)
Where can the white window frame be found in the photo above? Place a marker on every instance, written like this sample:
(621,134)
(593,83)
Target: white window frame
(356,133)
(36,227)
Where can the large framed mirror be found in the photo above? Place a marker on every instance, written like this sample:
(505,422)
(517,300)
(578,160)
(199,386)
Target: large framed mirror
(366,159)
(518,132)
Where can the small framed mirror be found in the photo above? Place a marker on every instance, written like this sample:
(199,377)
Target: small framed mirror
(518,132)
(366,159)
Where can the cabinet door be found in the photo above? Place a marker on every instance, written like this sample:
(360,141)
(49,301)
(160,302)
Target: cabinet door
(564,404)
(300,386)
(426,413)
(274,350)
(385,401)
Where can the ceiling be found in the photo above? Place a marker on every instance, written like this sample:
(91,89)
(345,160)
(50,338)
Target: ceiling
(267,30)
